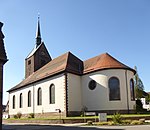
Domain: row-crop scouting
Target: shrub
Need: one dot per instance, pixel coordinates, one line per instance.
(142, 120)
(83, 110)
(31, 115)
(89, 122)
(117, 119)
(105, 123)
(136, 122)
(139, 106)
(19, 114)
(126, 122)
(15, 116)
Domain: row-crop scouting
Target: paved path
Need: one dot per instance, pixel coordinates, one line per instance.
(71, 127)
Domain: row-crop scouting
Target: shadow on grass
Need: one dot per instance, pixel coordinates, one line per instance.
(51, 127)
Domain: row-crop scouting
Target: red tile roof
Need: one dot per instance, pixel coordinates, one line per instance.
(103, 61)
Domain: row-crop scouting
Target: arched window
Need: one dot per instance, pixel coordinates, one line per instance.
(29, 99)
(132, 89)
(13, 102)
(39, 97)
(52, 94)
(114, 89)
(21, 101)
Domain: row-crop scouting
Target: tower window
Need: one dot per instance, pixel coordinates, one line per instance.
(29, 62)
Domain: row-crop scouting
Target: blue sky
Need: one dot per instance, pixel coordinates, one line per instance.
(87, 28)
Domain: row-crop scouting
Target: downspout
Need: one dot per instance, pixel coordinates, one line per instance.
(8, 104)
(66, 93)
(33, 101)
(127, 91)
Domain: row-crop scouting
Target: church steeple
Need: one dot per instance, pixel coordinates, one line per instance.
(38, 33)
(39, 56)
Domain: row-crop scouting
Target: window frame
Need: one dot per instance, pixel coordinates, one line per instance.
(114, 92)
(132, 92)
(52, 94)
(14, 102)
(20, 100)
(39, 96)
(29, 98)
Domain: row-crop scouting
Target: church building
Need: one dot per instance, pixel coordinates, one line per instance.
(68, 84)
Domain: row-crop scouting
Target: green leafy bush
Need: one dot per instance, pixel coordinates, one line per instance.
(142, 120)
(117, 119)
(139, 106)
(126, 122)
(89, 122)
(19, 114)
(15, 116)
(136, 122)
(83, 110)
(31, 115)
(105, 123)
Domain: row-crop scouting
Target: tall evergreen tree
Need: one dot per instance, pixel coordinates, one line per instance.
(139, 87)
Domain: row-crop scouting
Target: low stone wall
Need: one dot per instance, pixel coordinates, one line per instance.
(43, 115)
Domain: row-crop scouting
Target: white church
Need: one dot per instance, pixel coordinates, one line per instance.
(68, 84)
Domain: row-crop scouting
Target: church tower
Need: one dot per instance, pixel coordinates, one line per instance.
(39, 56)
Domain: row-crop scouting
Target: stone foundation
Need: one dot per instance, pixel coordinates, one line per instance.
(109, 112)
(44, 115)
(57, 115)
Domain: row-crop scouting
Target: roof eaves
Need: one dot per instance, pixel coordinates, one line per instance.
(33, 51)
(34, 81)
(100, 69)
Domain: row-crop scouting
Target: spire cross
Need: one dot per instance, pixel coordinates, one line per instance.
(38, 33)
(38, 16)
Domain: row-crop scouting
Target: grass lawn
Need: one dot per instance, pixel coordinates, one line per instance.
(86, 117)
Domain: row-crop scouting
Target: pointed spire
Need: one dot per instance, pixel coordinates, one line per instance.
(38, 33)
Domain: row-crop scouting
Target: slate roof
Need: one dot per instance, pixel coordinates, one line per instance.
(70, 63)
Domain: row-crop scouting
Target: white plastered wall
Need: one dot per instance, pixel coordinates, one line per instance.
(58, 81)
(74, 92)
(98, 99)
